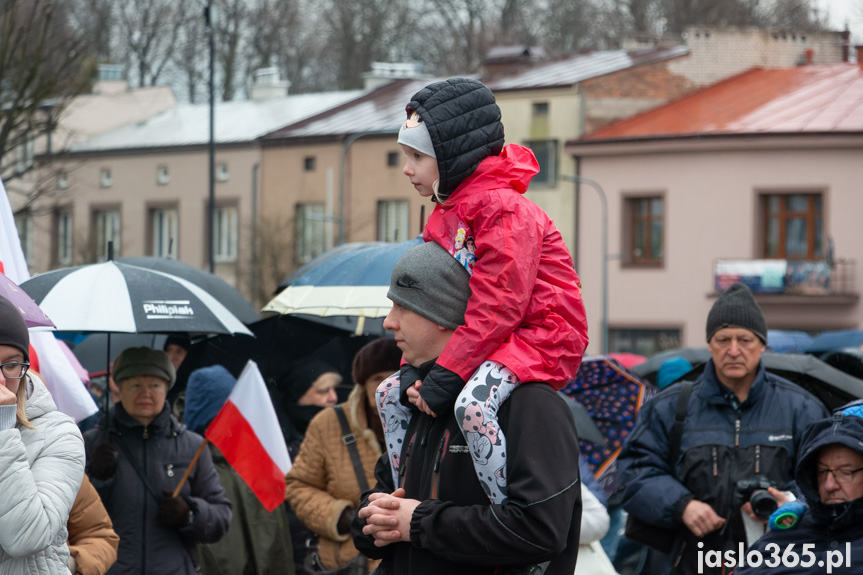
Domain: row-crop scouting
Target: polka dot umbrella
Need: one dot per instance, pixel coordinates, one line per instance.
(612, 396)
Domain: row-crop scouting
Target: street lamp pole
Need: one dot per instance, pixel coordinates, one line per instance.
(211, 205)
(595, 185)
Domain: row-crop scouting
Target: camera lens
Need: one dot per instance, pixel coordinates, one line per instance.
(763, 504)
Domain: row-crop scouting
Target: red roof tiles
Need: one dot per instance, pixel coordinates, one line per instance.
(815, 98)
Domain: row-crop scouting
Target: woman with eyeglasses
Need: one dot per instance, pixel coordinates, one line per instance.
(41, 461)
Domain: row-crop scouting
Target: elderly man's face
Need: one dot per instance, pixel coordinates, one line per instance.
(836, 465)
(736, 352)
(143, 397)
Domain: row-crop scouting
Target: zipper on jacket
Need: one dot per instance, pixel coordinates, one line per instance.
(757, 459)
(146, 435)
(403, 464)
(715, 457)
(736, 433)
(437, 462)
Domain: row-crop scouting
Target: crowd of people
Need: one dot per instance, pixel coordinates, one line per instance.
(453, 451)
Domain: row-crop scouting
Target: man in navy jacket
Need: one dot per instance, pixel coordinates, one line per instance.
(742, 424)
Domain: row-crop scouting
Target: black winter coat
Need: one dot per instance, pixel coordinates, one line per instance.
(162, 452)
(455, 530)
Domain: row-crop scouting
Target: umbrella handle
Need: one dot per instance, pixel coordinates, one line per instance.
(190, 468)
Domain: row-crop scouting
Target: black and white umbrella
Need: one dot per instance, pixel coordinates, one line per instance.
(114, 297)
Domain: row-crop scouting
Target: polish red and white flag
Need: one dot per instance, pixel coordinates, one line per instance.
(246, 430)
(46, 355)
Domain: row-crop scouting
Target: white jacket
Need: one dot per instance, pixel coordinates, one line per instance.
(592, 560)
(40, 472)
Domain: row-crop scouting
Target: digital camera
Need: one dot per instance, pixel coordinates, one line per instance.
(754, 490)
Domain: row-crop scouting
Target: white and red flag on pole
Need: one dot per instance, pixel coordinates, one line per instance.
(246, 430)
(67, 389)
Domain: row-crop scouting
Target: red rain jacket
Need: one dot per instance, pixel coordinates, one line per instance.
(525, 310)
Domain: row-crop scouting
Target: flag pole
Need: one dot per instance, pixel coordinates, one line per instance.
(190, 468)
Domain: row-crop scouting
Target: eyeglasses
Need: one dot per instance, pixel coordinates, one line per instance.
(840, 475)
(14, 370)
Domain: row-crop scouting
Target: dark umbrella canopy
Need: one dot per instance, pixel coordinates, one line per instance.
(113, 297)
(584, 424)
(211, 283)
(848, 360)
(649, 369)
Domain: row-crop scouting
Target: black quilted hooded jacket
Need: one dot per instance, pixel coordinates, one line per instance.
(464, 123)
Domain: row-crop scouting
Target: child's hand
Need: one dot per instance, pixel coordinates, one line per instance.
(414, 397)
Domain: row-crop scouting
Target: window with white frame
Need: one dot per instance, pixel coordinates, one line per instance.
(64, 232)
(107, 230)
(546, 154)
(310, 232)
(393, 220)
(162, 175)
(225, 231)
(24, 224)
(166, 232)
(222, 173)
(105, 178)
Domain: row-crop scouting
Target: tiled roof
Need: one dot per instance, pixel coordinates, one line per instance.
(806, 99)
(235, 122)
(383, 109)
(576, 68)
(380, 110)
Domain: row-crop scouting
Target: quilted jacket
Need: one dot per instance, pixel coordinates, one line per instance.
(40, 472)
(92, 540)
(322, 482)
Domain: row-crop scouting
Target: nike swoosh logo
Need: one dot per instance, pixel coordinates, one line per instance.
(407, 282)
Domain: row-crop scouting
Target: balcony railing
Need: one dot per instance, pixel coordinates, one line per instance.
(813, 280)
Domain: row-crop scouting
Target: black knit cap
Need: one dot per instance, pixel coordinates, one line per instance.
(302, 374)
(13, 329)
(736, 307)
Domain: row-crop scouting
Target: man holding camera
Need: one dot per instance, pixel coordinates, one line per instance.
(741, 430)
(826, 536)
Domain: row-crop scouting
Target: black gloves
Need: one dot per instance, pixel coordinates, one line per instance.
(440, 389)
(174, 511)
(103, 461)
(408, 375)
(344, 524)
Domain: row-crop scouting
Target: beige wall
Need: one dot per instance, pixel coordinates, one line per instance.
(135, 191)
(564, 122)
(711, 212)
(367, 180)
